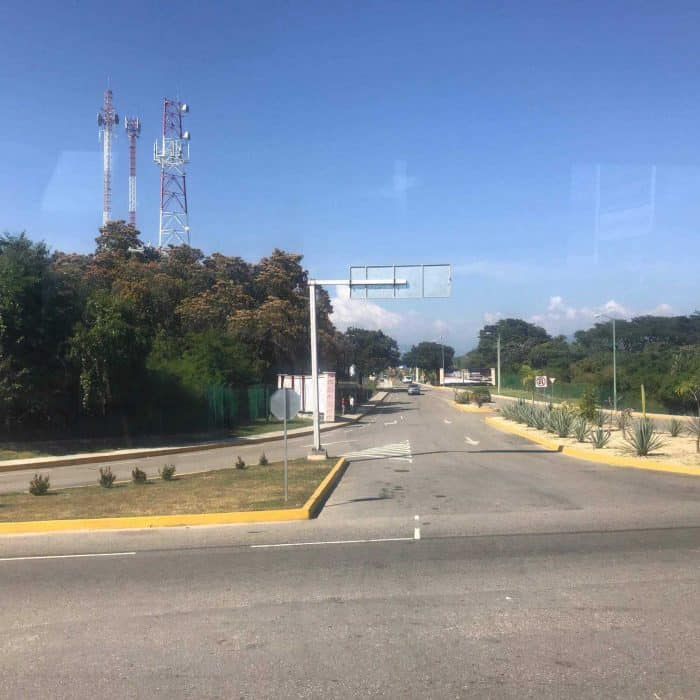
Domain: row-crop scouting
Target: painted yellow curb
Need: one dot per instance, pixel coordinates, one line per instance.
(471, 409)
(610, 460)
(309, 510)
(516, 430)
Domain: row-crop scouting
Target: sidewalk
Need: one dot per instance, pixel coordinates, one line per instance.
(9, 465)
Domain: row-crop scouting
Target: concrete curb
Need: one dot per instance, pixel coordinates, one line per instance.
(16, 465)
(466, 408)
(609, 460)
(309, 510)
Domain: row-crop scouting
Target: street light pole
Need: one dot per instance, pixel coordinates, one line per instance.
(614, 344)
(614, 367)
(314, 370)
(498, 363)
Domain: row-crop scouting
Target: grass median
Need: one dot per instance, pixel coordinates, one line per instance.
(219, 491)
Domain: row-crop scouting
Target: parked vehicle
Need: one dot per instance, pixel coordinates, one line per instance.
(414, 390)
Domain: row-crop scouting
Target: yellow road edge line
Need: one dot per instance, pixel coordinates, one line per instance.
(609, 460)
(309, 510)
(471, 409)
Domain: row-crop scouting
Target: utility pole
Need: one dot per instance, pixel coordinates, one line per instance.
(498, 363)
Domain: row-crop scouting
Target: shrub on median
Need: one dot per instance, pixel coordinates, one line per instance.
(167, 473)
(138, 476)
(263, 461)
(39, 485)
(240, 464)
(107, 477)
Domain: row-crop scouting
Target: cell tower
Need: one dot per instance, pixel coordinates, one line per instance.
(107, 118)
(172, 153)
(133, 129)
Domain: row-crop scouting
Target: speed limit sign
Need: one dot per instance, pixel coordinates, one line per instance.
(541, 382)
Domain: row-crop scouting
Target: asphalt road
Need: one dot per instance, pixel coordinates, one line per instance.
(535, 575)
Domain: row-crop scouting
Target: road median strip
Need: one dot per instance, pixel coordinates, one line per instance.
(609, 460)
(139, 453)
(311, 508)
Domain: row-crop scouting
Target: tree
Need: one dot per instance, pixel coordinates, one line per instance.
(369, 351)
(37, 311)
(428, 355)
(518, 338)
(686, 374)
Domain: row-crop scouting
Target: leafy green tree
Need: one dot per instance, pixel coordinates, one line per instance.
(428, 355)
(110, 349)
(518, 338)
(36, 313)
(370, 351)
(686, 374)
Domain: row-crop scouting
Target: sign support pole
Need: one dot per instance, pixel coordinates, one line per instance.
(286, 492)
(316, 450)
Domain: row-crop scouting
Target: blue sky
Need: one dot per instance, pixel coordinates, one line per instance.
(549, 151)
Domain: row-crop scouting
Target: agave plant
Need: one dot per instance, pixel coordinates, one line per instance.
(540, 418)
(624, 418)
(561, 421)
(643, 438)
(675, 427)
(581, 429)
(693, 428)
(599, 438)
(600, 418)
(509, 411)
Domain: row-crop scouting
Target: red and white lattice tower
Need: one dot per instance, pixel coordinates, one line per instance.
(107, 118)
(133, 129)
(172, 153)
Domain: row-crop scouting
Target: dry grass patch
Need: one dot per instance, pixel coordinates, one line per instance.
(220, 491)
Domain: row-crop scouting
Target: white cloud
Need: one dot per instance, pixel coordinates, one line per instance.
(492, 317)
(361, 313)
(561, 317)
(662, 310)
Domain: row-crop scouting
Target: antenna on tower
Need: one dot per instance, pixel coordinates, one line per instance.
(172, 153)
(107, 118)
(132, 125)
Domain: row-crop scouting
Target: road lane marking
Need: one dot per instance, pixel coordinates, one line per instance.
(398, 450)
(469, 441)
(416, 529)
(314, 544)
(449, 422)
(393, 422)
(335, 442)
(69, 556)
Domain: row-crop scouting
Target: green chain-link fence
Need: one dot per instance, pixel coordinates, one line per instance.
(229, 406)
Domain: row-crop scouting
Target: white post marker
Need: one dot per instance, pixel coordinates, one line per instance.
(416, 529)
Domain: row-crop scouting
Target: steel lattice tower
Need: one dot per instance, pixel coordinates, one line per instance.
(172, 154)
(133, 129)
(107, 118)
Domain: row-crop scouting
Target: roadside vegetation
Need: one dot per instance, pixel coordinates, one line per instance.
(661, 353)
(222, 490)
(676, 440)
(129, 341)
